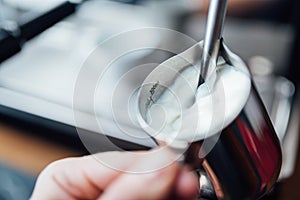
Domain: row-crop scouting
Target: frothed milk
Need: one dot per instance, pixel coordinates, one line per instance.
(187, 113)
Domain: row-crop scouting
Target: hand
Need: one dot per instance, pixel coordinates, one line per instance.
(90, 178)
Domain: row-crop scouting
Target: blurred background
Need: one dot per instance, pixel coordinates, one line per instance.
(44, 43)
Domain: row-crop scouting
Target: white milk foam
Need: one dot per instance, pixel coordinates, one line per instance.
(185, 113)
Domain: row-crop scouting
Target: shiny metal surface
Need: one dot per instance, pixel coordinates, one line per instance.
(213, 34)
(278, 95)
(246, 160)
(276, 92)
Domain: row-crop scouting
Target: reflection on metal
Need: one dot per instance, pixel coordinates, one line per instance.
(246, 160)
(213, 34)
(278, 95)
(247, 157)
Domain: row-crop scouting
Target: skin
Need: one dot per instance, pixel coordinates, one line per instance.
(87, 178)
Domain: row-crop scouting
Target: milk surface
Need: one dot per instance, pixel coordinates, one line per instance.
(187, 113)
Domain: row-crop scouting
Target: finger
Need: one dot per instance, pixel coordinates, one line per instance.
(155, 184)
(77, 178)
(187, 185)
